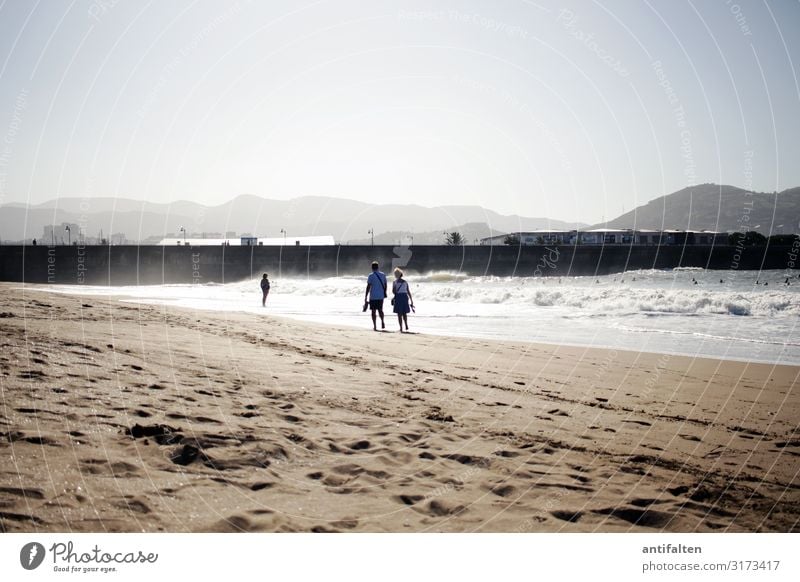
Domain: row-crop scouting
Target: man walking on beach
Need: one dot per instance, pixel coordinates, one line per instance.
(264, 289)
(376, 292)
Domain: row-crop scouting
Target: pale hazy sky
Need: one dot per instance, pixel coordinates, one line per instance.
(571, 110)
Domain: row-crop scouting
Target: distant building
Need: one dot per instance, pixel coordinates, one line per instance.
(648, 237)
(532, 237)
(250, 241)
(57, 234)
(609, 236)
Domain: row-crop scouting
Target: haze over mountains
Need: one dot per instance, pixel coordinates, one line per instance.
(703, 207)
(346, 220)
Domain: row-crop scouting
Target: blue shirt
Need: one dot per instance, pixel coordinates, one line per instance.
(377, 281)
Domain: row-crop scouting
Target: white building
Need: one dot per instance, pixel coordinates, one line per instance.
(300, 241)
(532, 237)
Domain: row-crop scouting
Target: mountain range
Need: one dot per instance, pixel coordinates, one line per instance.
(715, 207)
(702, 207)
(346, 220)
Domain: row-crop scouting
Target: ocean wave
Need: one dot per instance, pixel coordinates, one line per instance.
(442, 277)
(625, 300)
(651, 297)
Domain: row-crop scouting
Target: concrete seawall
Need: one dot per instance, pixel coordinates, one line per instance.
(150, 265)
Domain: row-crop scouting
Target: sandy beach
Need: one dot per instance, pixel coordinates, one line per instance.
(125, 417)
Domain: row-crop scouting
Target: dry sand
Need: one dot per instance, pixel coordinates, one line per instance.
(120, 417)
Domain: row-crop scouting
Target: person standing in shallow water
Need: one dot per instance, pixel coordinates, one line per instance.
(376, 293)
(402, 301)
(264, 289)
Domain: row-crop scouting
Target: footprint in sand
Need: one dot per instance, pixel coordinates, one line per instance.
(336, 480)
(233, 523)
(442, 508)
(26, 492)
(439, 416)
(409, 499)
(33, 439)
(785, 444)
(103, 467)
(468, 459)
(22, 518)
(163, 434)
(558, 412)
(640, 517)
(502, 490)
(571, 516)
(133, 504)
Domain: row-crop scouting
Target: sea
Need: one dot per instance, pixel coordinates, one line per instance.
(740, 315)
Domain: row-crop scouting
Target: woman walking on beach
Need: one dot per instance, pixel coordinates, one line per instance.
(402, 301)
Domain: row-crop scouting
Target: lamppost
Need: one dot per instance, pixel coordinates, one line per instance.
(280, 254)
(69, 235)
(371, 233)
(183, 230)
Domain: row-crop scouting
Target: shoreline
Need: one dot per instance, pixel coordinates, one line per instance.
(141, 417)
(324, 321)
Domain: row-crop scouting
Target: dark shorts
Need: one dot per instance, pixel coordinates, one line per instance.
(376, 304)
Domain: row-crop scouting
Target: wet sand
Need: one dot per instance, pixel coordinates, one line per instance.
(125, 417)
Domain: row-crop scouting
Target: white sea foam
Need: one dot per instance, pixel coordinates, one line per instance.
(627, 300)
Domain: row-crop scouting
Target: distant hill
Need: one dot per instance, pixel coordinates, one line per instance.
(715, 207)
(703, 207)
(346, 220)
